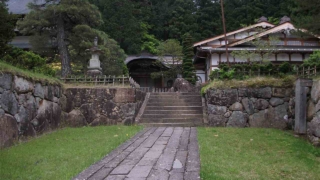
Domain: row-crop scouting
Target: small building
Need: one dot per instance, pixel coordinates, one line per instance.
(20, 8)
(291, 46)
(141, 66)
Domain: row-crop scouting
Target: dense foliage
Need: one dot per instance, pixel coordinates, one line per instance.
(188, 72)
(6, 27)
(55, 24)
(244, 71)
(69, 26)
(125, 20)
(170, 54)
(307, 14)
(27, 60)
(313, 60)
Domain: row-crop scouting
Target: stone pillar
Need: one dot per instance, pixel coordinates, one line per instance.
(300, 126)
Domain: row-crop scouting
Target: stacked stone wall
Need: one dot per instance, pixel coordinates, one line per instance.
(313, 114)
(27, 108)
(265, 107)
(101, 106)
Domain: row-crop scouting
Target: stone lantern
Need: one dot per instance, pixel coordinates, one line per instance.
(94, 68)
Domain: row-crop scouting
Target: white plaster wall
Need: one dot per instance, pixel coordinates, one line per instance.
(217, 42)
(311, 43)
(283, 57)
(296, 57)
(223, 42)
(202, 75)
(207, 67)
(240, 60)
(272, 57)
(252, 33)
(306, 56)
(293, 43)
(214, 59)
(241, 35)
(223, 58)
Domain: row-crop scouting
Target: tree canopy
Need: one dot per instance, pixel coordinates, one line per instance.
(187, 65)
(125, 20)
(307, 15)
(69, 27)
(6, 28)
(55, 24)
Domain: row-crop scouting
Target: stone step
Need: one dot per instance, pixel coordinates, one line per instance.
(198, 111)
(172, 93)
(175, 96)
(175, 100)
(171, 120)
(171, 124)
(172, 116)
(174, 104)
(173, 108)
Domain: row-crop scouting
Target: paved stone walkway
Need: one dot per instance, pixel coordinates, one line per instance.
(163, 153)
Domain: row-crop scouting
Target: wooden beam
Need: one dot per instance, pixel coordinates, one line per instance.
(225, 31)
(289, 57)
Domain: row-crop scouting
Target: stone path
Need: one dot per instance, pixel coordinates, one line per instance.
(163, 153)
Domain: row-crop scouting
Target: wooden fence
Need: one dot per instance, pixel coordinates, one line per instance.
(154, 89)
(240, 73)
(303, 72)
(308, 72)
(102, 80)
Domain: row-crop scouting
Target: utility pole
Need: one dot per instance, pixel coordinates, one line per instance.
(225, 32)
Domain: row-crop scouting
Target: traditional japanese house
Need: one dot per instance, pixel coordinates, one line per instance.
(290, 46)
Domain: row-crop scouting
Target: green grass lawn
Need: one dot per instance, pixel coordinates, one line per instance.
(232, 153)
(62, 154)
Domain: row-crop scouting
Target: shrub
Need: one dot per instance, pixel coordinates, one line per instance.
(313, 60)
(225, 73)
(285, 68)
(27, 60)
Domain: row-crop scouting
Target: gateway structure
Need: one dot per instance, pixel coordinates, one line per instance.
(290, 46)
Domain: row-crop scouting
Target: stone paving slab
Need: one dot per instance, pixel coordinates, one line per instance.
(163, 153)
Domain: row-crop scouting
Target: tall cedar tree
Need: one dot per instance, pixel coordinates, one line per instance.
(6, 28)
(307, 15)
(188, 72)
(170, 19)
(56, 21)
(126, 21)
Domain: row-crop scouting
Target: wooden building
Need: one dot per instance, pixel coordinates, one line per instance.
(141, 66)
(291, 46)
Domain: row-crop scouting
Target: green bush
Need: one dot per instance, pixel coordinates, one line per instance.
(243, 71)
(285, 68)
(27, 60)
(225, 73)
(313, 60)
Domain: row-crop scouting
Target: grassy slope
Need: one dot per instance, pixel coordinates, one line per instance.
(231, 153)
(287, 81)
(4, 67)
(62, 154)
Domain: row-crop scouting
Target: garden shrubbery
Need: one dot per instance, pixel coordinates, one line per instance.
(313, 60)
(244, 71)
(27, 60)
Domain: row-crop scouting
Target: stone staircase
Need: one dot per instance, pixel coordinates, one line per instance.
(173, 109)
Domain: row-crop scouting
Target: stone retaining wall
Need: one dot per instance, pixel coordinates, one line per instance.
(88, 106)
(251, 107)
(313, 114)
(27, 108)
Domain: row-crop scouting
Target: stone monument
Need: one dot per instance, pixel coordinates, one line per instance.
(94, 68)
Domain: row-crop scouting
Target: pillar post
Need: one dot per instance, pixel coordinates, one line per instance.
(300, 126)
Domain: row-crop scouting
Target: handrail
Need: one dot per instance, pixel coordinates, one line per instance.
(102, 80)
